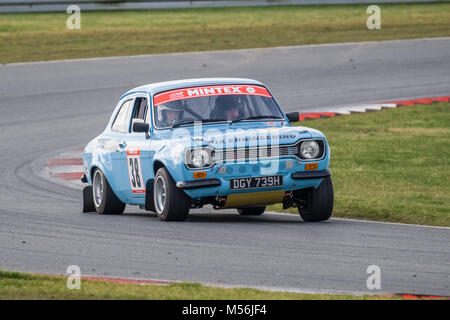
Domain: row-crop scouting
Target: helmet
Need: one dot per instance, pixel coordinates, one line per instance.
(224, 103)
(175, 106)
(172, 106)
(228, 102)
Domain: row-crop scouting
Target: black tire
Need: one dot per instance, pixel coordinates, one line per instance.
(88, 200)
(175, 204)
(319, 203)
(252, 211)
(106, 202)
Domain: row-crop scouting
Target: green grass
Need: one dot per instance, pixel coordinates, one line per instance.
(14, 285)
(391, 165)
(44, 36)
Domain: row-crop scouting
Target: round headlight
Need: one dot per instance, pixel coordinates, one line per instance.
(309, 149)
(200, 158)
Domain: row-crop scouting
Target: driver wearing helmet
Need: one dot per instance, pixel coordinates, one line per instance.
(227, 108)
(170, 112)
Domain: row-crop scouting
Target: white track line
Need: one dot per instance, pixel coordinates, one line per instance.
(369, 221)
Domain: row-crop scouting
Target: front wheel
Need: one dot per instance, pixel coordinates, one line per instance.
(171, 203)
(317, 204)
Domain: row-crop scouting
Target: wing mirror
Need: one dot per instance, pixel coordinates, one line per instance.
(293, 116)
(141, 127)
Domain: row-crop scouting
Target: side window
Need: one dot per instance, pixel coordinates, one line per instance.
(140, 110)
(123, 116)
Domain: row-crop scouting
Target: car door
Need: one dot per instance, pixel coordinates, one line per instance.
(136, 156)
(118, 177)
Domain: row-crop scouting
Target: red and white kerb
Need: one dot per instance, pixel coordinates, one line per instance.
(207, 91)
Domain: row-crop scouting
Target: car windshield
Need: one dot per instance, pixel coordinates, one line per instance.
(231, 103)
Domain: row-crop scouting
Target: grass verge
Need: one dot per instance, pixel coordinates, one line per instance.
(14, 285)
(391, 165)
(44, 36)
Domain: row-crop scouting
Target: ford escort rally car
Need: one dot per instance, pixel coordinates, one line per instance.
(178, 145)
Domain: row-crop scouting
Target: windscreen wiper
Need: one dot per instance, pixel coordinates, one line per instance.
(256, 118)
(174, 125)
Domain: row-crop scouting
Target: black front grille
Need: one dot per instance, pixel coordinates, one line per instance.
(247, 153)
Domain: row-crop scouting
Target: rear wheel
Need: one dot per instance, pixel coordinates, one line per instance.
(105, 201)
(171, 203)
(252, 211)
(317, 204)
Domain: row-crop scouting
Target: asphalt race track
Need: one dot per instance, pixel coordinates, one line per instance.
(50, 107)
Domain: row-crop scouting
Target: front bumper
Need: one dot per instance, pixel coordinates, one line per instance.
(196, 184)
(311, 174)
(217, 183)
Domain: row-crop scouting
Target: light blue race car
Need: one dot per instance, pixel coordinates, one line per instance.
(174, 146)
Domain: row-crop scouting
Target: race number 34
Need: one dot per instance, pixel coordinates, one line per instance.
(135, 171)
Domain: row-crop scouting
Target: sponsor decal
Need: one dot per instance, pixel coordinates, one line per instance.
(250, 90)
(214, 140)
(133, 151)
(207, 91)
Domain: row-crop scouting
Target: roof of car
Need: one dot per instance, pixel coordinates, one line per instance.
(154, 88)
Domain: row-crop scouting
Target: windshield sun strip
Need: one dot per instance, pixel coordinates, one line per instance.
(218, 121)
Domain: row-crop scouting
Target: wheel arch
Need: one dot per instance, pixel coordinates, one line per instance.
(91, 172)
(175, 170)
(157, 164)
